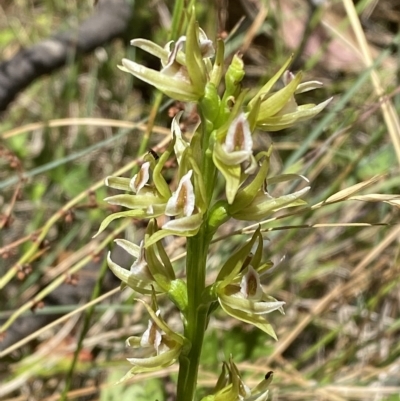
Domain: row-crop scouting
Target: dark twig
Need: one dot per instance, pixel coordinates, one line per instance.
(109, 21)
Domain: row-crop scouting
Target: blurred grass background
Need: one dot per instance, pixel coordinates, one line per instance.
(60, 138)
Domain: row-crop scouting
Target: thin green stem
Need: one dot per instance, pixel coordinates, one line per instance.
(196, 263)
(197, 250)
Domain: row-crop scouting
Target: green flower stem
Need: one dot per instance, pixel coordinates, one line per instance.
(197, 250)
(196, 263)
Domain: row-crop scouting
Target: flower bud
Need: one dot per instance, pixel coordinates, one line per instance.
(233, 77)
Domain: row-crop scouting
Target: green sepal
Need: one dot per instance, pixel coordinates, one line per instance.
(253, 113)
(263, 205)
(172, 87)
(194, 59)
(234, 264)
(151, 48)
(196, 146)
(260, 308)
(158, 179)
(128, 246)
(121, 183)
(182, 227)
(167, 265)
(153, 363)
(263, 267)
(246, 195)
(130, 280)
(218, 67)
(269, 85)
(227, 114)
(264, 384)
(223, 377)
(258, 255)
(162, 273)
(303, 112)
(159, 321)
(251, 318)
(275, 103)
(136, 214)
(176, 344)
(136, 201)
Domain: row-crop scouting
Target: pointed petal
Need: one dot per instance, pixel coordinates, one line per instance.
(304, 112)
(157, 362)
(129, 213)
(162, 325)
(184, 224)
(182, 227)
(249, 306)
(152, 48)
(268, 86)
(308, 86)
(255, 320)
(121, 183)
(264, 205)
(273, 104)
(174, 88)
(136, 201)
(194, 59)
(128, 246)
(138, 285)
(234, 264)
(246, 195)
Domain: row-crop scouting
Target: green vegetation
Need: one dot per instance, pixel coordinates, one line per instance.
(336, 262)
